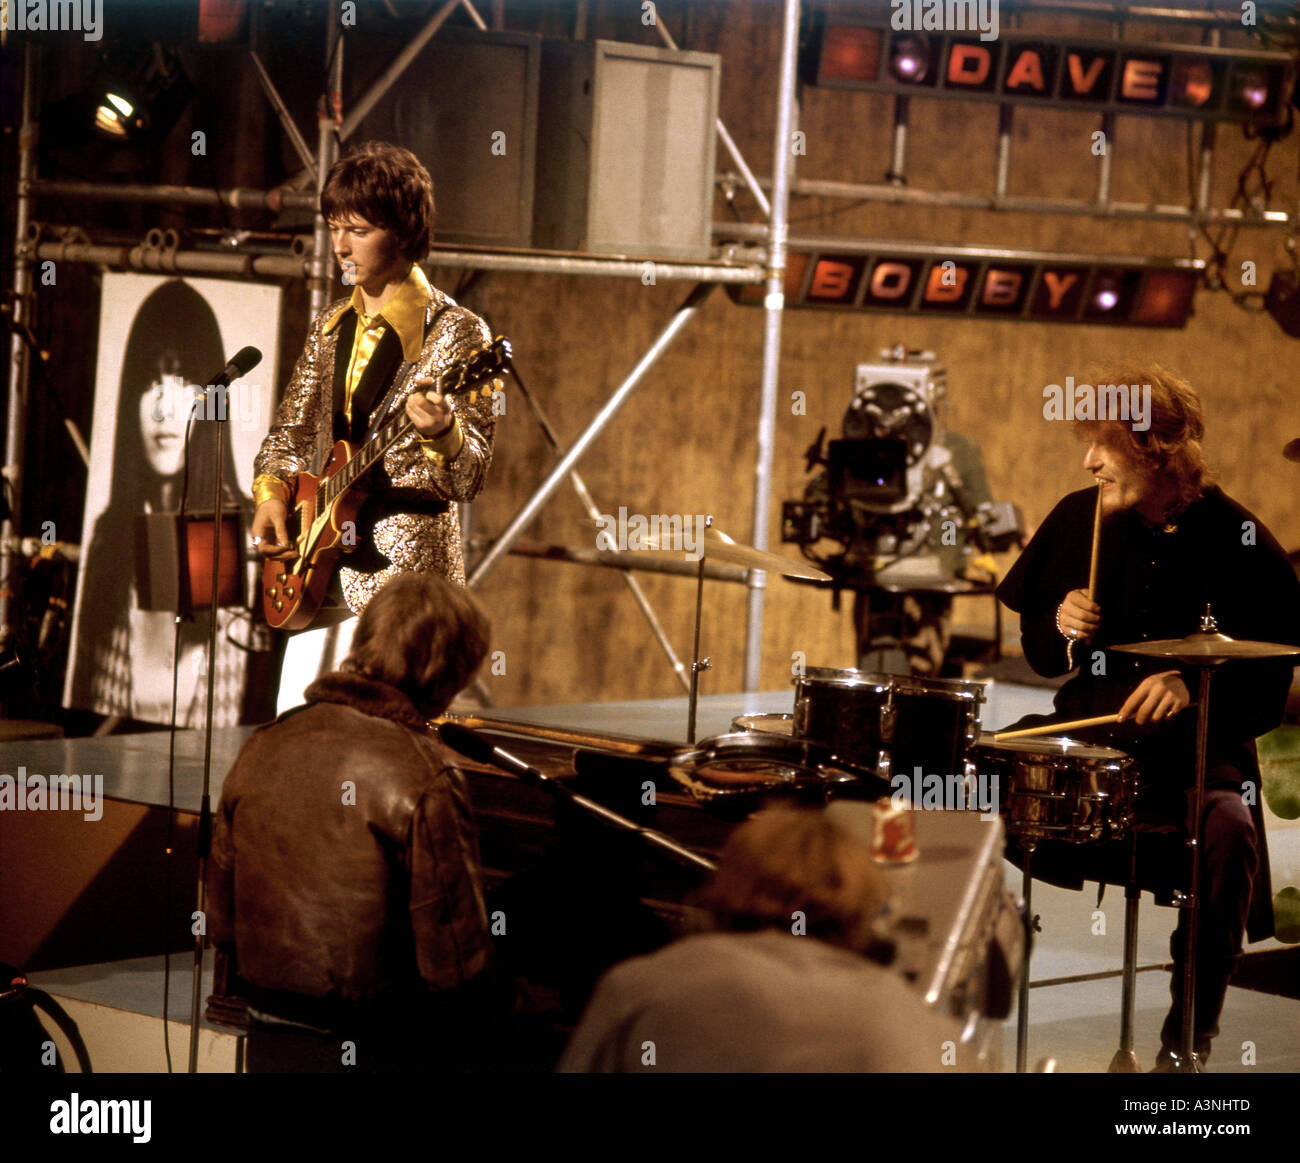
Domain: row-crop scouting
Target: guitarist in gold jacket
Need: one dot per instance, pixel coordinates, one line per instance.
(366, 357)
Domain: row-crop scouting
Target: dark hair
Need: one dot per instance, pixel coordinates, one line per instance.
(787, 860)
(388, 187)
(1172, 444)
(422, 634)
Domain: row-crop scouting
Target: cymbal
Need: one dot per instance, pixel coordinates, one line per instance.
(1205, 648)
(719, 547)
(724, 550)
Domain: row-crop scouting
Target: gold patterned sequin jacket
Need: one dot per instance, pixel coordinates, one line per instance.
(410, 524)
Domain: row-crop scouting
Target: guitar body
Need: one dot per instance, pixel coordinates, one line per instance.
(293, 590)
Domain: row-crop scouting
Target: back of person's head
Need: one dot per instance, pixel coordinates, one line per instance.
(422, 634)
(790, 860)
(388, 187)
(1171, 444)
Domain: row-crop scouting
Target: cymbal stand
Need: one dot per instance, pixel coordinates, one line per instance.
(697, 663)
(1028, 844)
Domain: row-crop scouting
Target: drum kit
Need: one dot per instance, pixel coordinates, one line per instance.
(853, 734)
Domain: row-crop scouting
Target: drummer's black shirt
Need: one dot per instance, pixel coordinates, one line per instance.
(1154, 582)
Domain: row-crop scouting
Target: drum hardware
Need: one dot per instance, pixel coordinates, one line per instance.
(718, 547)
(1056, 788)
(1205, 649)
(737, 770)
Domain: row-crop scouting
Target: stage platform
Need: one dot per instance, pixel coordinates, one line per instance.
(118, 1001)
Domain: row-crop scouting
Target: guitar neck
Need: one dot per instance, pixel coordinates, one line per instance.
(386, 435)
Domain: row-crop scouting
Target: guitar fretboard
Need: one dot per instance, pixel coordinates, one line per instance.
(385, 436)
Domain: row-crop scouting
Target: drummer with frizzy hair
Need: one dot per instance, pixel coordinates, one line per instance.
(1171, 541)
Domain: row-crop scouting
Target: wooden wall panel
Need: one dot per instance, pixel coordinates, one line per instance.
(685, 441)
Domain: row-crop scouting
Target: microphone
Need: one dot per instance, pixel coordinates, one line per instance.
(241, 363)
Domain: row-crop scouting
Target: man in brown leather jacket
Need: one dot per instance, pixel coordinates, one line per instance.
(344, 868)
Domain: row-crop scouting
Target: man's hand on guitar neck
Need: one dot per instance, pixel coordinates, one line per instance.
(271, 530)
(428, 411)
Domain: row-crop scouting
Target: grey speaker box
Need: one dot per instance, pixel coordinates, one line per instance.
(625, 150)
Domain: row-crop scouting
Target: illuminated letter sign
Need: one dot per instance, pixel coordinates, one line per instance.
(1142, 79)
(1086, 82)
(1030, 69)
(947, 287)
(1004, 289)
(891, 282)
(970, 66)
(834, 278)
(1059, 292)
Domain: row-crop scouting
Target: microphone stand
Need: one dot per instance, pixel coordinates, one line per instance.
(205, 806)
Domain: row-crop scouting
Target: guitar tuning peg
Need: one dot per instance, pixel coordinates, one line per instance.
(498, 384)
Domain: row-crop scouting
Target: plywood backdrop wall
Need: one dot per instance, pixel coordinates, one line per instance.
(685, 441)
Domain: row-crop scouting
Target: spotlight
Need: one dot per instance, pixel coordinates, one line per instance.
(134, 99)
(1250, 89)
(1106, 295)
(909, 58)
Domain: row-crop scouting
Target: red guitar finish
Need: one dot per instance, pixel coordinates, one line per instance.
(323, 509)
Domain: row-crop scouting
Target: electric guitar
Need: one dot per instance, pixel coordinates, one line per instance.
(323, 509)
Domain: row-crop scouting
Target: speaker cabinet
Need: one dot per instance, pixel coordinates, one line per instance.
(467, 108)
(626, 141)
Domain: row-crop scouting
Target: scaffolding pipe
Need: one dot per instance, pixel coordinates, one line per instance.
(1106, 162)
(321, 278)
(876, 192)
(287, 122)
(774, 305)
(19, 356)
(1002, 174)
(614, 267)
(897, 175)
(850, 245)
(593, 511)
(158, 259)
(235, 199)
(501, 546)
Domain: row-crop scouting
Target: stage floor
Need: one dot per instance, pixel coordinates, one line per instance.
(1076, 1023)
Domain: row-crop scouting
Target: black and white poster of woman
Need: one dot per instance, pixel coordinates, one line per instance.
(160, 341)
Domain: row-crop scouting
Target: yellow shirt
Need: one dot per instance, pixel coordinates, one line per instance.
(405, 313)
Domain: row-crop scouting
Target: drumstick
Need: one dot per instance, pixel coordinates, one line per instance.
(1096, 548)
(1056, 728)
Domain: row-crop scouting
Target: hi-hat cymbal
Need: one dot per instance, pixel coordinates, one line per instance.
(1202, 648)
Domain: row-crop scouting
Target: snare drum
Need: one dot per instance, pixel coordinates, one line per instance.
(1057, 788)
(891, 723)
(748, 766)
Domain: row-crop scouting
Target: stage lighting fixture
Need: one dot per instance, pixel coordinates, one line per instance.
(1105, 294)
(1248, 91)
(909, 59)
(137, 98)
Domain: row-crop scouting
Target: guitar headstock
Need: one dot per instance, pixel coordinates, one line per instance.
(480, 375)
